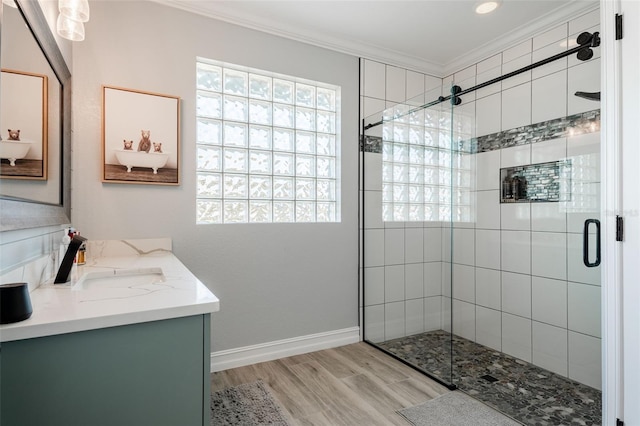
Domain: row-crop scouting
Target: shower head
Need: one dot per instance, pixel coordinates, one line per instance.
(592, 96)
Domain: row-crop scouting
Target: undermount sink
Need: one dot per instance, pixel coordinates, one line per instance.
(120, 278)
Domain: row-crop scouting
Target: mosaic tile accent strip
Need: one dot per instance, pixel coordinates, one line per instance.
(523, 391)
(573, 125)
(536, 182)
(371, 144)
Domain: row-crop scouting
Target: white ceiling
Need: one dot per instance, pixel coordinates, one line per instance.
(433, 36)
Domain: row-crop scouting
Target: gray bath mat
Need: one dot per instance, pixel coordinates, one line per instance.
(455, 409)
(250, 404)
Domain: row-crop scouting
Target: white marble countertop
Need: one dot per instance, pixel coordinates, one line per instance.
(87, 303)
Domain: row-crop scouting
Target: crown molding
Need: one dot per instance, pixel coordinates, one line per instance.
(349, 47)
(383, 55)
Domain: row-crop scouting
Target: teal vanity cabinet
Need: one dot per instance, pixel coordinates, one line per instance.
(151, 373)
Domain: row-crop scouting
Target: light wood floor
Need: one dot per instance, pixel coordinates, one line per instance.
(351, 385)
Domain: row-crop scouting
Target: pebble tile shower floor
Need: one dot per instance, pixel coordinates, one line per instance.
(523, 391)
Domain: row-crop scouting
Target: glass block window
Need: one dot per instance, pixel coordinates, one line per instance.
(268, 147)
(426, 177)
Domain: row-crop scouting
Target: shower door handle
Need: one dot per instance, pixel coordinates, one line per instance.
(585, 243)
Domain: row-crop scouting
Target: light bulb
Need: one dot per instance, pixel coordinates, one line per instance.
(78, 10)
(70, 29)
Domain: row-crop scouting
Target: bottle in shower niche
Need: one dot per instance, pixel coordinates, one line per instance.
(515, 188)
(506, 188)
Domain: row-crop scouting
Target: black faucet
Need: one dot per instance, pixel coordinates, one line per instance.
(67, 260)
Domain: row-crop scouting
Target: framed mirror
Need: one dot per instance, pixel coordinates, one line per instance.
(36, 107)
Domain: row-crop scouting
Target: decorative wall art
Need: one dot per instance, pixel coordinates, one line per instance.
(23, 125)
(140, 137)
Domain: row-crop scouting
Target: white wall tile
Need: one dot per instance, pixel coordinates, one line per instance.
(550, 347)
(547, 52)
(373, 174)
(515, 156)
(488, 114)
(516, 251)
(464, 246)
(488, 288)
(584, 78)
(414, 316)
(374, 286)
(415, 86)
(394, 320)
(516, 106)
(447, 282)
(446, 313)
(489, 328)
(464, 319)
(393, 246)
(516, 294)
(515, 216)
(549, 301)
(374, 79)
(432, 244)
(432, 279)
(584, 153)
(373, 209)
(488, 248)
(577, 272)
(549, 255)
(514, 65)
(488, 209)
(393, 283)
(517, 51)
(447, 241)
(488, 170)
(374, 323)
(516, 336)
(432, 85)
(372, 110)
(374, 247)
(413, 245)
(547, 151)
(549, 97)
(585, 360)
(432, 313)
(396, 80)
(552, 36)
(487, 70)
(584, 303)
(413, 281)
(548, 217)
(583, 206)
(464, 283)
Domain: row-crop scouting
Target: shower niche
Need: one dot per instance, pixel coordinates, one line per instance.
(534, 183)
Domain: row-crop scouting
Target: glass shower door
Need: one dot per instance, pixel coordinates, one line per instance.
(407, 231)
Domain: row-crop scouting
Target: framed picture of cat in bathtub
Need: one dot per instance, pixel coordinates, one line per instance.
(140, 137)
(23, 125)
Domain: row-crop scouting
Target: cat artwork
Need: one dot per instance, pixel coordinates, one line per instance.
(14, 135)
(157, 147)
(128, 145)
(145, 141)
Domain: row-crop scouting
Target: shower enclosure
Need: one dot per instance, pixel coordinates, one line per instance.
(481, 204)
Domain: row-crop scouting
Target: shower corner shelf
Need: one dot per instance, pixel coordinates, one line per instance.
(535, 183)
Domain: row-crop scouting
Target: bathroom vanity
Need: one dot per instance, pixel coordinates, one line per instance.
(126, 342)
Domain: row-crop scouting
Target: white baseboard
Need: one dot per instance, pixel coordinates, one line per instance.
(247, 355)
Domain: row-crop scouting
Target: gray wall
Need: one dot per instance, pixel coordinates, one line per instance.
(275, 281)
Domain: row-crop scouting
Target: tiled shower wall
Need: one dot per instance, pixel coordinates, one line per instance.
(519, 284)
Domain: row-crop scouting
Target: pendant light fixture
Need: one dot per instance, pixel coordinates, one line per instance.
(73, 15)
